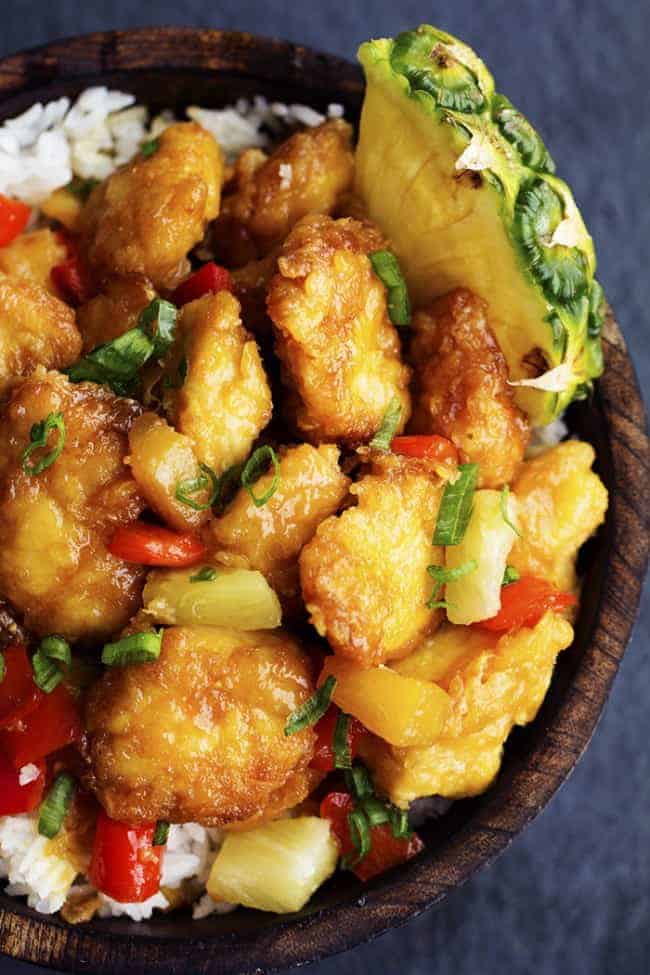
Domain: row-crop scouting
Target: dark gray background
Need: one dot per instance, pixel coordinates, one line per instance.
(572, 895)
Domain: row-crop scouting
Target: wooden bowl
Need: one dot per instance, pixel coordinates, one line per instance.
(175, 67)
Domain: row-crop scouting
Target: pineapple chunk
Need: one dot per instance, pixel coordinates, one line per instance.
(443, 652)
(401, 710)
(488, 540)
(240, 599)
(275, 867)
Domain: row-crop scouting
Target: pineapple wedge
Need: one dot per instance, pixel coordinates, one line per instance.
(463, 186)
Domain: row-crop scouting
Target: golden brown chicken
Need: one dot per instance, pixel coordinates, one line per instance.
(268, 195)
(54, 525)
(224, 400)
(270, 537)
(147, 216)
(198, 736)
(35, 329)
(114, 311)
(461, 386)
(364, 574)
(339, 350)
(33, 255)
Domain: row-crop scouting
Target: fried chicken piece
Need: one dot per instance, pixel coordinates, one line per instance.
(269, 538)
(147, 216)
(114, 311)
(225, 400)
(267, 196)
(35, 329)
(461, 386)
(339, 350)
(561, 503)
(364, 574)
(32, 256)
(55, 525)
(198, 735)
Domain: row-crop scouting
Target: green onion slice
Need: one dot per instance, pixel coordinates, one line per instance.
(503, 501)
(313, 709)
(384, 264)
(456, 507)
(206, 480)
(158, 321)
(55, 806)
(160, 833)
(383, 438)
(139, 648)
(149, 147)
(341, 742)
(442, 575)
(510, 575)
(254, 468)
(360, 836)
(50, 661)
(376, 811)
(115, 364)
(206, 574)
(359, 782)
(38, 437)
(399, 823)
(81, 188)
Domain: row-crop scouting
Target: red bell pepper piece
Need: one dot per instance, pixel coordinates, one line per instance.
(71, 280)
(19, 695)
(153, 545)
(14, 216)
(324, 752)
(386, 850)
(125, 865)
(52, 725)
(207, 280)
(524, 602)
(14, 797)
(432, 447)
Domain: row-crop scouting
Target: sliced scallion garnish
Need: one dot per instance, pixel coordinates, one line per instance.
(55, 805)
(503, 501)
(383, 438)
(399, 822)
(81, 188)
(510, 575)
(456, 507)
(206, 574)
(158, 321)
(206, 480)
(341, 742)
(313, 709)
(387, 269)
(375, 810)
(38, 437)
(138, 648)
(160, 833)
(115, 364)
(359, 782)
(360, 835)
(149, 147)
(50, 662)
(254, 468)
(442, 575)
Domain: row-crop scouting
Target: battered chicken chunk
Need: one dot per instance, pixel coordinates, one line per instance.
(147, 216)
(198, 736)
(32, 256)
(54, 525)
(561, 503)
(267, 196)
(224, 400)
(114, 311)
(35, 329)
(364, 574)
(339, 350)
(461, 386)
(269, 538)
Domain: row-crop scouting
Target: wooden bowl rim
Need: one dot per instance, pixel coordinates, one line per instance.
(412, 889)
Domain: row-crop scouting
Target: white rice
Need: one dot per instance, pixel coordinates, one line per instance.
(31, 866)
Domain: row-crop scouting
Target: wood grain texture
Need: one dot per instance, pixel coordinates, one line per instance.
(173, 68)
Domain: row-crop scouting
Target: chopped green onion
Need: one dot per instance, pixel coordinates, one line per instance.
(341, 743)
(158, 321)
(50, 661)
(81, 188)
(399, 822)
(138, 648)
(253, 470)
(115, 364)
(382, 439)
(3, 667)
(442, 575)
(376, 811)
(169, 383)
(359, 782)
(160, 833)
(313, 709)
(38, 436)
(456, 507)
(206, 574)
(205, 479)
(503, 501)
(510, 575)
(55, 806)
(149, 147)
(360, 836)
(385, 266)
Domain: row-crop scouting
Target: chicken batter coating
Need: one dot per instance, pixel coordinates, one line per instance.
(147, 216)
(35, 329)
(364, 574)
(224, 400)
(114, 311)
(339, 350)
(54, 525)
(267, 196)
(461, 386)
(269, 538)
(33, 255)
(198, 735)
